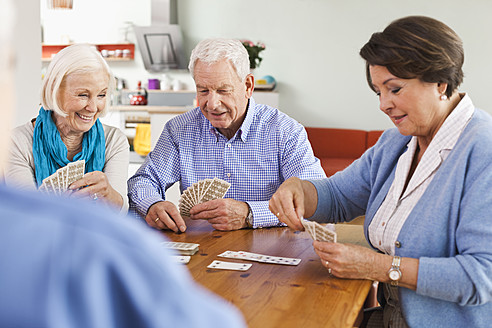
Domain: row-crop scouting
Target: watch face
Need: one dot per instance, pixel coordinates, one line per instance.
(394, 275)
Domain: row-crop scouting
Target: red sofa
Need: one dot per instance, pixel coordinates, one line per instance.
(338, 148)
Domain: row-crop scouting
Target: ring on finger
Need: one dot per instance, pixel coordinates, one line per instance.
(278, 214)
(156, 220)
(94, 196)
(329, 270)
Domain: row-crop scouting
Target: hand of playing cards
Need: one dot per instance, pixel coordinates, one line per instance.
(319, 232)
(200, 192)
(59, 181)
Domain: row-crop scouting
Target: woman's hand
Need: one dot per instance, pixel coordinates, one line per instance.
(292, 200)
(356, 262)
(96, 186)
(350, 261)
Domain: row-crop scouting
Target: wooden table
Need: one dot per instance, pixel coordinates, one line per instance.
(271, 295)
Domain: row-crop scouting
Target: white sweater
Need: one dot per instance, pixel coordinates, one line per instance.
(20, 169)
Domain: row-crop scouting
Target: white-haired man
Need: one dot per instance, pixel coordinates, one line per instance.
(252, 146)
(72, 263)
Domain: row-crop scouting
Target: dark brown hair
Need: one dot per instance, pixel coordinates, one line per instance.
(417, 47)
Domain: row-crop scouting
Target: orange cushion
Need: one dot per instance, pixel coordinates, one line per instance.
(333, 165)
(337, 143)
(372, 137)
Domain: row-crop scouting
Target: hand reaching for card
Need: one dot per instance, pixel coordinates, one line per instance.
(294, 199)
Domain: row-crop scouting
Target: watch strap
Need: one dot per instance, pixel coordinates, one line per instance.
(249, 218)
(395, 266)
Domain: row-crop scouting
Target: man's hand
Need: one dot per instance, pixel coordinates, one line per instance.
(223, 214)
(165, 215)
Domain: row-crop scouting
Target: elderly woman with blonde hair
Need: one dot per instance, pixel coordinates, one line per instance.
(75, 93)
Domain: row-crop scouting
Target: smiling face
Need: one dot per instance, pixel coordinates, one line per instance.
(82, 96)
(222, 96)
(412, 105)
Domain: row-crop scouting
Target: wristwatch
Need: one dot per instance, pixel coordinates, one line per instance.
(249, 218)
(394, 272)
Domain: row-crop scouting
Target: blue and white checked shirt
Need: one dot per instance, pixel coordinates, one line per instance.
(269, 148)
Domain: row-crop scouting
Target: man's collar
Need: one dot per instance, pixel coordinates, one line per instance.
(243, 130)
(248, 119)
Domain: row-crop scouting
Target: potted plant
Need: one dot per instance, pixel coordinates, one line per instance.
(253, 52)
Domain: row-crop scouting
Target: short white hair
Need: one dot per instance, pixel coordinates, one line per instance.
(214, 50)
(77, 58)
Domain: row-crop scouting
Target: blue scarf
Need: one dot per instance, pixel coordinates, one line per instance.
(50, 153)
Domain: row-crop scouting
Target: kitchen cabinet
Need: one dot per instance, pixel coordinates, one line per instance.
(110, 51)
(126, 118)
(269, 98)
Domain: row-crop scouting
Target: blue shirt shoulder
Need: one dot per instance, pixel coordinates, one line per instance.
(71, 263)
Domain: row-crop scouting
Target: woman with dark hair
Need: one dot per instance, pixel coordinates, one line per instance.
(423, 188)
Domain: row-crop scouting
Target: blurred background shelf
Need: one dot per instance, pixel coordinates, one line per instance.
(110, 51)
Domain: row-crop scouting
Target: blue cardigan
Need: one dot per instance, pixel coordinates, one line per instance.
(449, 230)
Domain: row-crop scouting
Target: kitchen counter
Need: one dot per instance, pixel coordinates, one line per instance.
(151, 109)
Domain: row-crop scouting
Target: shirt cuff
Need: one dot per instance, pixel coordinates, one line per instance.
(144, 204)
(262, 217)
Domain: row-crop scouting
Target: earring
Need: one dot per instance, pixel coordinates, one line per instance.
(444, 97)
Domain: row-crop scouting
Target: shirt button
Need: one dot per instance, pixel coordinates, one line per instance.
(229, 145)
(397, 244)
(380, 243)
(228, 175)
(382, 224)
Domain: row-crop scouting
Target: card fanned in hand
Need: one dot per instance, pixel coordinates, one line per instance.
(319, 232)
(200, 192)
(59, 181)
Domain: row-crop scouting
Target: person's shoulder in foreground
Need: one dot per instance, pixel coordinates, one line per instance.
(72, 264)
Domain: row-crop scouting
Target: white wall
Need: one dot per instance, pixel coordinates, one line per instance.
(27, 73)
(312, 45)
(312, 48)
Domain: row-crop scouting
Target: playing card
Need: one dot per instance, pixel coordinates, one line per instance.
(42, 188)
(260, 258)
(47, 185)
(55, 182)
(200, 192)
(319, 232)
(182, 248)
(229, 266)
(59, 181)
(75, 171)
(62, 177)
(217, 189)
(205, 184)
(184, 259)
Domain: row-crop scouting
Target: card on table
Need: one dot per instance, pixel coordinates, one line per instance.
(229, 266)
(183, 259)
(242, 255)
(182, 248)
(319, 232)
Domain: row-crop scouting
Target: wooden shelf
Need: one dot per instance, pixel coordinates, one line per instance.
(49, 50)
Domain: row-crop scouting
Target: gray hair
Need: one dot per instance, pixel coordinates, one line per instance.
(77, 58)
(214, 50)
